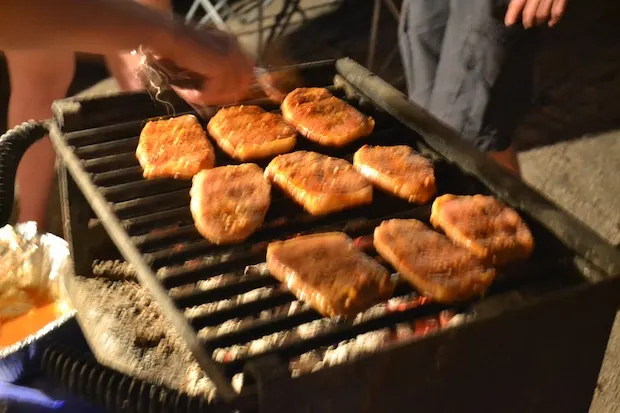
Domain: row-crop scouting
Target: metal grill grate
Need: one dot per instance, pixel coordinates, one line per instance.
(150, 222)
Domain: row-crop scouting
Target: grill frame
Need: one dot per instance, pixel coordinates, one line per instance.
(267, 372)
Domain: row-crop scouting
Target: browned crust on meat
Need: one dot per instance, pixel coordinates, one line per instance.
(319, 183)
(398, 170)
(229, 203)
(174, 148)
(249, 132)
(330, 273)
(436, 267)
(490, 229)
(325, 119)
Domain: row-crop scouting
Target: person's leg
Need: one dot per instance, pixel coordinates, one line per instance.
(512, 94)
(475, 51)
(37, 79)
(123, 66)
(420, 37)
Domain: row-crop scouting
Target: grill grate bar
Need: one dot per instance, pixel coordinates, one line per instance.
(104, 133)
(110, 162)
(118, 176)
(209, 267)
(340, 333)
(182, 252)
(131, 190)
(150, 241)
(248, 283)
(127, 145)
(144, 223)
(272, 299)
(141, 206)
(261, 328)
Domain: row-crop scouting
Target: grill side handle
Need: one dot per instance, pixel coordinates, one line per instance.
(13, 145)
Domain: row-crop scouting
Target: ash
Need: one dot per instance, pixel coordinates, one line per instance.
(114, 270)
(196, 382)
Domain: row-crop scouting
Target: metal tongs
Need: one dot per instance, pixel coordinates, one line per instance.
(159, 74)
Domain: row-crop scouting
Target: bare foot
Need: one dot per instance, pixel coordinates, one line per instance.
(507, 159)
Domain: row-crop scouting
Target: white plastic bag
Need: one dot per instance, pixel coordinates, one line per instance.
(31, 265)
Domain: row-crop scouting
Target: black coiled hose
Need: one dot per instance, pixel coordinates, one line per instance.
(13, 145)
(115, 391)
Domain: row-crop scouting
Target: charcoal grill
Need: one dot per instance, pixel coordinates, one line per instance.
(534, 343)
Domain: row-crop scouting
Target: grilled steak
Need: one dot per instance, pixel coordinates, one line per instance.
(491, 230)
(248, 132)
(329, 272)
(428, 260)
(174, 148)
(323, 118)
(398, 170)
(229, 203)
(321, 184)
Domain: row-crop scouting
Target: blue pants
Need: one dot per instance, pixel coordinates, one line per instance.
(466, 68)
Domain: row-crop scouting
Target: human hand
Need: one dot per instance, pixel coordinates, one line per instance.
(535, 12)
(214, 57)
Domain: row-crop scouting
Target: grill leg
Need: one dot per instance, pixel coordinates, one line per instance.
(374, 27)
(374, 33)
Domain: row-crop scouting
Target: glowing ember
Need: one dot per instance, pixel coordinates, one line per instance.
(316, 359)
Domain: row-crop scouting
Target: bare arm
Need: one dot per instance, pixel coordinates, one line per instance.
(110, 26)
(95, 26)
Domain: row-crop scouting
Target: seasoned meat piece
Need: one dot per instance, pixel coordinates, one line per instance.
(174, 148)
(325, 119)
(321, 184)
(329, 272)
(248, 132)
(229, 203)
(428, 260)
(398, 170)
(491, 230)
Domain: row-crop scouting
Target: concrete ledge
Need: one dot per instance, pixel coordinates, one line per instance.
(581, 175)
